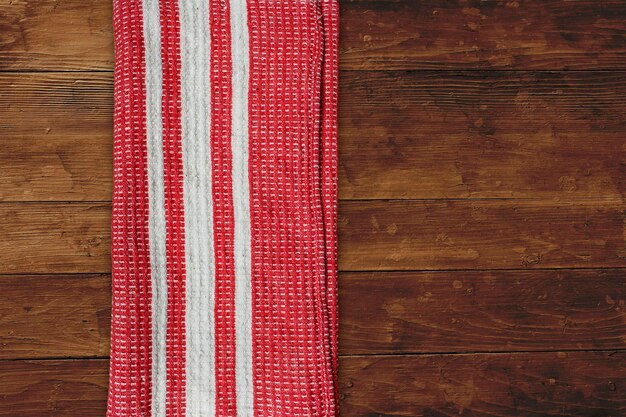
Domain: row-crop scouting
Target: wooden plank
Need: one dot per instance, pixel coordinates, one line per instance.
(530, 385)
(402, 135)
(57, 137)
(374, 235)
(474, 34)
(54, 316)
(55, 238)
(482, 135)
(431, 235)
(525, 384)
(409, 34)
(56, 34)
(468, 311)
(53, 388)
(381, 313)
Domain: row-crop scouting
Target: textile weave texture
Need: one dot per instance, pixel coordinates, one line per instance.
(224, 209)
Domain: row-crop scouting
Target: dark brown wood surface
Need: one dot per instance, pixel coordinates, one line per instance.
(482, 134)
(482, 222)
(376, 34)
(374, 235)
(56, 136)
(55, 316)
(55, 237)
(481, 311)
(404, 135)
(68, 316)
(529, 385)
(522, 384)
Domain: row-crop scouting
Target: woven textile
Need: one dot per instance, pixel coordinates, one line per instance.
(224, 209)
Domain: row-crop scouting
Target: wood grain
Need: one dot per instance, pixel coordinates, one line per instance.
(56, 137)
(530, 385)
(474, 34)
(54, 316)
(469, 311)
(482, 135)
(53, 388)
(373, 235)
(419, 235)
(409, 34)
(402, 135)
(55, 238)
(493, 169)
(381, 313)
(524, 384)
(56, 34)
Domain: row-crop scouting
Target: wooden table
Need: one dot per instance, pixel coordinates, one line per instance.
(482, 207)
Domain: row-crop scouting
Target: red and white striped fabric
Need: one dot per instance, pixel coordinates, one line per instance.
(224, 209)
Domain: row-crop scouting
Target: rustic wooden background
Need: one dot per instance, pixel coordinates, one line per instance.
(482, 207)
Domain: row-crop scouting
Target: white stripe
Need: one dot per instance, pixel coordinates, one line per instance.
(195, 49)
(156, 201)
(241, 203)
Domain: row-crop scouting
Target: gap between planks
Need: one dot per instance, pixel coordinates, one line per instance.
(362, 355)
